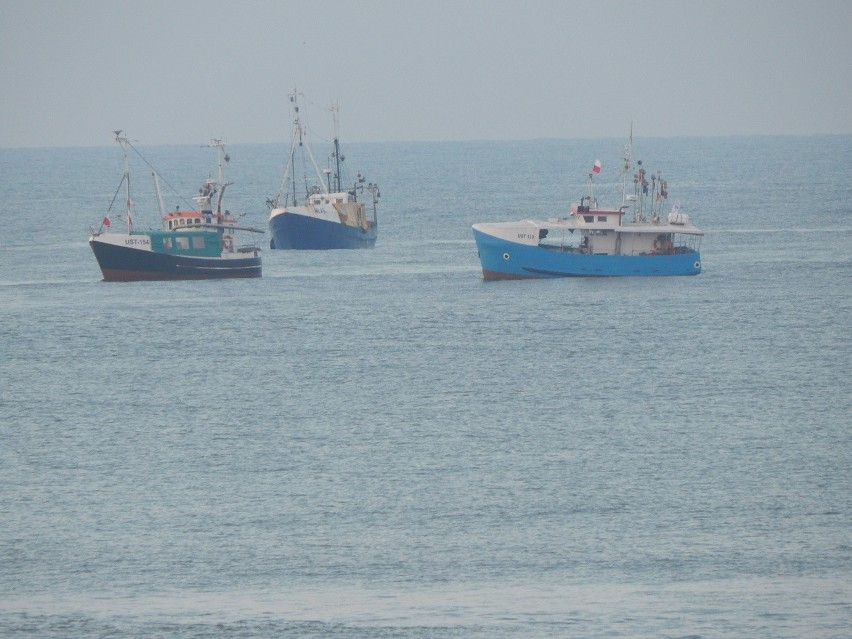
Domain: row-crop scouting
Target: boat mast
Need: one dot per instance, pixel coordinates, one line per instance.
(625, 169)
(297, 136)
(124, 142)
(159, 194)
(640, 184)
(306, 147)
(221, 159)
(290, 169)
(337, 179)
(298, 139)
(374, 191)
(592, 205)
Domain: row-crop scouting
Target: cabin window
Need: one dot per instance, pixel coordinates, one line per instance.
(182, 243)
(198, 220)
(339, 200)
(589, 218)
(167, 242)
(198, 242)
(601, 218)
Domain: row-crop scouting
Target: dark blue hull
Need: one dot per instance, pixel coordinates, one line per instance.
(123, 264)
(301, 232)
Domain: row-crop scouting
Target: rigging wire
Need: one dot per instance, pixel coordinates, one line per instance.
(123, 177)
(168, 184)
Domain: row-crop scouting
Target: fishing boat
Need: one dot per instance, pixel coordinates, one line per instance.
(200, 243)
(596, 242)
(325, 214)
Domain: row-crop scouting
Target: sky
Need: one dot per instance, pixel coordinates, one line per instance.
(183, 71)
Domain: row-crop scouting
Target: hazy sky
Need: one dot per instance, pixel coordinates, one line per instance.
(183, 71)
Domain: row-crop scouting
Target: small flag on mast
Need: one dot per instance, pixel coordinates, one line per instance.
(105, 221)
(597, 167)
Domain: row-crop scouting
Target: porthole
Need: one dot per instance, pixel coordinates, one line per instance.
(505, 256)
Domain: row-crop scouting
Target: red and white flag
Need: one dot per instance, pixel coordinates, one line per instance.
(597, 167)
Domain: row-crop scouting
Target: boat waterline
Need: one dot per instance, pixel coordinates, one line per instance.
(502, 259)
(121, 264)
(290, 230)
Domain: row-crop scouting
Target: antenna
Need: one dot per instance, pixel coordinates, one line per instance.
(625, 169)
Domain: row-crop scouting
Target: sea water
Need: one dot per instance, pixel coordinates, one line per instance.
(378, 443)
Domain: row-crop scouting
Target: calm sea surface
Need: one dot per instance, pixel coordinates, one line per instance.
(379, 444)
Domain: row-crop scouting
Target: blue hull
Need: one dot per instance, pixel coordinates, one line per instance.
(121, 264)
(300, 232)
(502, 259)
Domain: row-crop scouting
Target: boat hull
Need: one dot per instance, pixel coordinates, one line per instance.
(302, 232)
(502, 259)
(127, 264)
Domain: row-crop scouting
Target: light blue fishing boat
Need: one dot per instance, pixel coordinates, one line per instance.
(596, 242)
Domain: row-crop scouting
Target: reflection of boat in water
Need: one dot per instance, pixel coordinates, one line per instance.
(329, 215)
(594, 242)
(193, 244)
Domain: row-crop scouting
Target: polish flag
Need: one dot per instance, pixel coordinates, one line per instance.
(597, 167)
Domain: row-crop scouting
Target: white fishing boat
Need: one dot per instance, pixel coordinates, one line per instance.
(318, 211)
